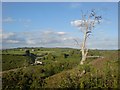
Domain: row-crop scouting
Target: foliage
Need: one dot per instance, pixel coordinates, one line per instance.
(13, 61)
(59, 71)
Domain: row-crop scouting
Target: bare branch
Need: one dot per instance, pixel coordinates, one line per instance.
(76, 41)
(88, 32)
(88, 35)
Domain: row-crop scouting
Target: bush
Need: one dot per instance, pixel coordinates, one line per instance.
(86, 68)
(27, 52)
(11, 62)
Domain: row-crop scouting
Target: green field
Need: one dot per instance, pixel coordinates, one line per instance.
(60, 69)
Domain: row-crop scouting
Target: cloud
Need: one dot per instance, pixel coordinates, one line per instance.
(11, 19)
(68, 38)
(51, 38)
(103, 43)
(42, 37)
(61, 33)
(76, 23)
(25, 22)
(12, 41)
(0, 36)
(8, 20)
(7, 35)
(50, 32)
(30, 42)
(1, 33)
(81, 23)
(9, 38)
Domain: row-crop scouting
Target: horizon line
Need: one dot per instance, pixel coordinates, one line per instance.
(59, 47)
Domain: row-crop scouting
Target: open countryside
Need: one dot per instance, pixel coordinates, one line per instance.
(49, 45)
(59, 68)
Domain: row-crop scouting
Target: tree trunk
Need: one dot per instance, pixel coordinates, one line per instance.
(84, 51)
(83, 59)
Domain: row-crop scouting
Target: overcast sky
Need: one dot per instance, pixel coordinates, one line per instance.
(49, 25)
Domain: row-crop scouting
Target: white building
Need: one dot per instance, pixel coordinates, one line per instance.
(33, 50)
(38, 62)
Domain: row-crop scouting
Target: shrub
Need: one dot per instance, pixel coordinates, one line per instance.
(27, 52)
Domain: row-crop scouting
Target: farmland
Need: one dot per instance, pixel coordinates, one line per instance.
(60, 68)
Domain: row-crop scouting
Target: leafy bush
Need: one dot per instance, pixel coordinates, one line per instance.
(13, 61)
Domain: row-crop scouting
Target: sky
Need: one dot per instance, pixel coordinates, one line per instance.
(48, 24)
(59, 0)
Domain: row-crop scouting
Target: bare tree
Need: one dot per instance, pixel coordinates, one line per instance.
(86, 25)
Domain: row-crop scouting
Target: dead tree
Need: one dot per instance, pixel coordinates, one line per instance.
(86, 25)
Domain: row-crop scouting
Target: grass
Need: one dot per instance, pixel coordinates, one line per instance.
(61, 71)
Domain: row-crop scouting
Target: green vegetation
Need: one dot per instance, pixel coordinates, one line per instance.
(60, 69)
(13, 61)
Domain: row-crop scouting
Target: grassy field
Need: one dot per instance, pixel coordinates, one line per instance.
(60, 69)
